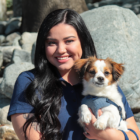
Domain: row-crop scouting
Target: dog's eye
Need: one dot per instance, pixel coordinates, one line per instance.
(106, 73)
(92, 72)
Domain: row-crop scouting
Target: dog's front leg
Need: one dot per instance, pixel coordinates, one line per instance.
(84, 114)
(101, 122)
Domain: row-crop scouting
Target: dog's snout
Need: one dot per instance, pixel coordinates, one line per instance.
(100, 79)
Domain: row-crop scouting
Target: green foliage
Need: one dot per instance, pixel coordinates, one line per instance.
(9, 4)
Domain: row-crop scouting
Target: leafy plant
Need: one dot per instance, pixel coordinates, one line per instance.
(9, 4)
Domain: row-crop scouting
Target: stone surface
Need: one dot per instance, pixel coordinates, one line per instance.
(8, 52)
(116, 33)
(3, 115)
(7, 133)
(3, 10)
(2, 38)
(2, 27)
(27, 40)
(1, 59)
(13, 25)
(138, 16)
(10, 75)
(21, 56)
(11, 37)
(16, 41)
(17, 8)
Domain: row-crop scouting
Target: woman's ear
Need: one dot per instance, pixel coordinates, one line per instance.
(80, 66)
(117, 69)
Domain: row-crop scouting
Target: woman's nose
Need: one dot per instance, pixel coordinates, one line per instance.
(61, 48)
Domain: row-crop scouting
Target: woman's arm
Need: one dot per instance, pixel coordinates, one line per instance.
(111, 134)
(32, 132)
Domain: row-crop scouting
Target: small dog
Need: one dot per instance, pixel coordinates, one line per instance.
(100, 80)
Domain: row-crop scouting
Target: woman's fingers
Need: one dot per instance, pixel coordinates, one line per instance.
(100, 112)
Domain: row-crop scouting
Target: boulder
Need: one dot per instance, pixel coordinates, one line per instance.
(138, 16)
(27, 40)
(11, 37)
(7, 133)
(3, 10)
(8, 52)
(13, 25)
(21, 56)
(116, 33)
(2, 27)
(2, 38)
(16, 41)
(3, 116)
(10, 75)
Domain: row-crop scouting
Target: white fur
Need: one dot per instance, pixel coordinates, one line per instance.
(110, 115)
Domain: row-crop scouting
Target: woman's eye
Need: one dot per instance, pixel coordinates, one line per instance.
(92, 72)
(69, 41)
(51, 43)
(106, 73)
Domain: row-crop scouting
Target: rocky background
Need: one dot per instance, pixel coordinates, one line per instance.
(115, 29)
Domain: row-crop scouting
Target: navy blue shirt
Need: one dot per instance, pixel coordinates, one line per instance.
(70, 102)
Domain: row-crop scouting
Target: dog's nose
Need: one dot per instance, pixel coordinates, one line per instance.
(100, 79)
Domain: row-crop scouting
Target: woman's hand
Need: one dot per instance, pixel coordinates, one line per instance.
(91, 131)
(109, 133)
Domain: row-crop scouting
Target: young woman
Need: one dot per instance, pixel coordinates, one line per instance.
(46, 99)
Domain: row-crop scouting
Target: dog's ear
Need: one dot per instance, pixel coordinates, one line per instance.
(117, 69)
(80, 66)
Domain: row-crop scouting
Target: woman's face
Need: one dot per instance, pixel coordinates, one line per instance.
(63, 47)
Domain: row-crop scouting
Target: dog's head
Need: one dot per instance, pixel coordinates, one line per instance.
(98, 71)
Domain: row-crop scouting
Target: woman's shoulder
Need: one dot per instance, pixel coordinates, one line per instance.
(28, 74)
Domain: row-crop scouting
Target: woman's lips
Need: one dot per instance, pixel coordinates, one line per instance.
(63, 59)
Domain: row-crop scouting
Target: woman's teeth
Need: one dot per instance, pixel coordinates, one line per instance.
(61, 58)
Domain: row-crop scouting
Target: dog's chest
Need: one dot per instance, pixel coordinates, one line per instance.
(95, 103)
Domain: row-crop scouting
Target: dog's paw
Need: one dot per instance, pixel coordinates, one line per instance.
(100, 124)
(84, 114)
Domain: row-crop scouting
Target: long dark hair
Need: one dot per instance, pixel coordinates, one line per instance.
(44, 93)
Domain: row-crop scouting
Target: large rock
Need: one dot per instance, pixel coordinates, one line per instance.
(7, 133)
(3, 10)
(27, 41)
(21, 56)
(8, 52)
(10, 75)
(11, 37)
(2, 38)
(3, 115)
(13, 25)
(116, 34)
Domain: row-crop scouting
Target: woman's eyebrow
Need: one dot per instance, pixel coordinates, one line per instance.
(69, 37)
(63, 39)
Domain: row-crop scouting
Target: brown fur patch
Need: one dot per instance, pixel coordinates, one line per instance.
(117, 69)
